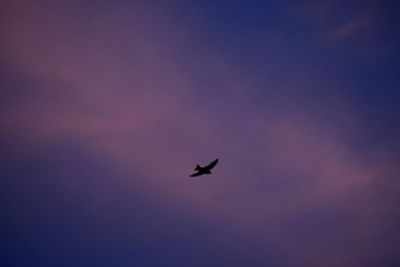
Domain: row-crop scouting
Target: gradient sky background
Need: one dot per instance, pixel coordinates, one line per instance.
(106, 107)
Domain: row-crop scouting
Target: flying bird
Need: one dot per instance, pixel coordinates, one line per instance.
(204, 170)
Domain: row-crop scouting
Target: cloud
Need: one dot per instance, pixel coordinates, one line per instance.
(351, 28)
(348, 26)
(124, 92)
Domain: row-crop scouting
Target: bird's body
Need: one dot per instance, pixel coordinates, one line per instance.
(204, 170)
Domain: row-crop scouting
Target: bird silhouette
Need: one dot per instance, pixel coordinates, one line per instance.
(204, 170)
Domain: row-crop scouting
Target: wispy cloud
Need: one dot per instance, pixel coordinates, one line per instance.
(355, 27)
(351, 28)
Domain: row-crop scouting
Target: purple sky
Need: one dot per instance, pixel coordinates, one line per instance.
(106, 107)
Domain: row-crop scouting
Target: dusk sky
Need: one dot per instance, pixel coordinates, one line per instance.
(107, 107)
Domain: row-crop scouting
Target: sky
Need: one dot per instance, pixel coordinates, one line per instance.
(107, 106)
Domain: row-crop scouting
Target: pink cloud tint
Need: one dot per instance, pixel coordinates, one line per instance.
(127, 98)
(355, 27)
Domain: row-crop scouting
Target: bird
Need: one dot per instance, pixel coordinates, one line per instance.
(204, 170)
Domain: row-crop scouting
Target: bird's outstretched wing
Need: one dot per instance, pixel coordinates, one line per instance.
(196, 174)
(211, 165)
